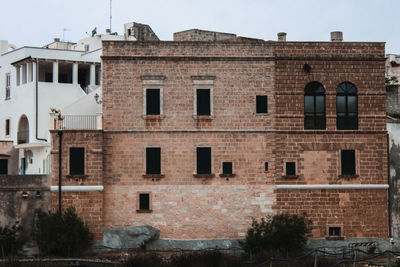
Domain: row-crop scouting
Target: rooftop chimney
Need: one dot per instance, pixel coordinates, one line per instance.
(336, 36)
(281, 36)
(108, 31)
(56, 39)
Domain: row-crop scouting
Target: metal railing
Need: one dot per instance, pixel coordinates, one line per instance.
(76, 122)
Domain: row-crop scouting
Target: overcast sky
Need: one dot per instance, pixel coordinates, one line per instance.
(36, 23)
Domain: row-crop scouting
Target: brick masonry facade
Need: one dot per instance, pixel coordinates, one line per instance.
(186, 206)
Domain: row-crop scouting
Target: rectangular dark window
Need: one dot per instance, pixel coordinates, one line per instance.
(8, 127)
(153, 160)
(290, 168)
(262, 104)
(77, 161)
(8, 86)
(152, 101)
(266, 166)
(204, 160)
(48, 77)
(3, 166)
(144, 201)
(227, 167)
(203, 102)
(348, 160)
(334, 231)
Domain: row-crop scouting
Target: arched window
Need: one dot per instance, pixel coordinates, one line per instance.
(346, 107)
(314, 106)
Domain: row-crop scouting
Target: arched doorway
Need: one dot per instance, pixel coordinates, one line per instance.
(23, 130)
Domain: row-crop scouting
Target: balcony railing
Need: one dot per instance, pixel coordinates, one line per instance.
(78, 122)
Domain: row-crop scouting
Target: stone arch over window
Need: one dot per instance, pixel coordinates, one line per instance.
(23, 130)
(346, 107)
(314, 106)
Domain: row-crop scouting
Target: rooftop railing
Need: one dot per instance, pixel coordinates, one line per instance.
(75, 122)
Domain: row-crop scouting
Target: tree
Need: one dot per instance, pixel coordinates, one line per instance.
(61, 234)
(10, 242)
(282, 234)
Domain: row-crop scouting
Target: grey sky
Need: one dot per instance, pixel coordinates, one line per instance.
(36, 23)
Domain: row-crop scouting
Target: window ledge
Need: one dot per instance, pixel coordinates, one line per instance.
(348, 176)
(153, 176)
(334, 238)
(203, 117)
(144, 211)
(153, 117)
(290, 176)
(204, 175)
(76, 176)
(227, 175)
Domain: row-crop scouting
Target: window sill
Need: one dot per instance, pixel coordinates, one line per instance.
(348, 176)
(227, 175)
(144, 211)
(333, 238)
(204, 175)
(290, 177)
(203, 117)
(153, 117)
(153, 176)
(77, 176)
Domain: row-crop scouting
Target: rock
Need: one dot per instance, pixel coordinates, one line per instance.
(130, 237)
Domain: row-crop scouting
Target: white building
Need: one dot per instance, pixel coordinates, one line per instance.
(32, 81)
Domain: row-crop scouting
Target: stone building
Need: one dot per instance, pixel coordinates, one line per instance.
(205, 132)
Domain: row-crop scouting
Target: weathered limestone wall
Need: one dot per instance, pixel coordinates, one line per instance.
(20, 196)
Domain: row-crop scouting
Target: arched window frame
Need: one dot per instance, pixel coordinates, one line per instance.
(314, 107)
(346, 107)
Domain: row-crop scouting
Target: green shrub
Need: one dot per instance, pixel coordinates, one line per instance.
(9, 241)
(61, 234)
(279, 235)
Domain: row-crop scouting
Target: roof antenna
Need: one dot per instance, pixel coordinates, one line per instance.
(110, 14)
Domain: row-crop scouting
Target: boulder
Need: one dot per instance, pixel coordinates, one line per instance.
(130, 237)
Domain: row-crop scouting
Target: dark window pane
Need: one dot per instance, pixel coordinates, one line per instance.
(290, 168)
(203, 102)
(153, 160)
(320, 104)
(203, 160)
(309, 122)
(153, 101)
(352, 103)
(320, 122)
(48, 77)
(77, 160)
(334, 231)
(3, 166)
(144, 201)
(227, 167)
(7, 127)
(341, 104)
(266, 166)
(309, 103)
(348, 162)
(262, 104)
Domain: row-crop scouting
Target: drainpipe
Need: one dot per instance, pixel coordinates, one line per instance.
(60, 133)
(37, 102)
(389, 193)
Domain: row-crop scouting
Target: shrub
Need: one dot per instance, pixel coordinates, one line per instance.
(9, 241)
(61, 234)
(282, 235)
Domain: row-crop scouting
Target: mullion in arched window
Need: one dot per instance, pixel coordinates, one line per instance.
(346, 107)
(314, 106)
